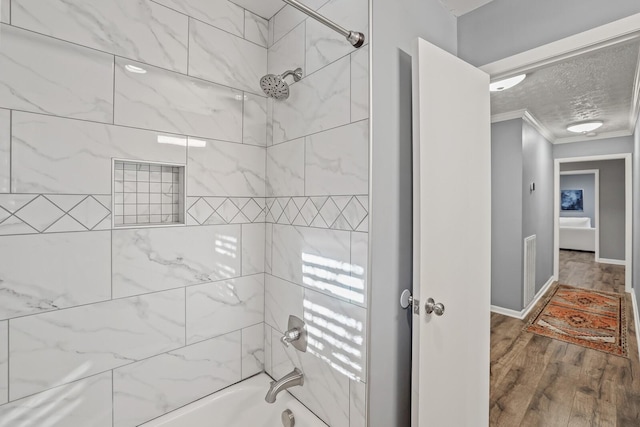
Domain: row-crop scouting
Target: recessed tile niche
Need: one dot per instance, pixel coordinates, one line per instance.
(147, 194)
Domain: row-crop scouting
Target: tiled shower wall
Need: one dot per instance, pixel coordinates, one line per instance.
(101, 326)
(317, 209)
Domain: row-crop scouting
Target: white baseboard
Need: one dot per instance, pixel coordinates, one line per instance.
(506, 312)
(611, 261)
(524, 312)
(636, 317)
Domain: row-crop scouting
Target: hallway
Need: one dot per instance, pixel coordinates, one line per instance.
(538, 381)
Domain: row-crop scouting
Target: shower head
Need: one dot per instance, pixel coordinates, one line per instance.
(276, 87)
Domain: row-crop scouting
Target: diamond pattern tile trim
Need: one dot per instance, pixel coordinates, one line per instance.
(224, 210)
(39, 213)
(336, 212)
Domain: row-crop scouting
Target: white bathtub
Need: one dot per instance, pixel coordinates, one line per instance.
(241, 405)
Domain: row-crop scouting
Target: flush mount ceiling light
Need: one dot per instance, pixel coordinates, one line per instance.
(584, 127)
(134, 69)
(505, 84)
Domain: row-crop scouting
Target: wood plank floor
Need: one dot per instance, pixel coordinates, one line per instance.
(539, 381)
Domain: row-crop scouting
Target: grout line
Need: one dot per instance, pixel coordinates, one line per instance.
(10, 150)
(113, 88)
(63, 309)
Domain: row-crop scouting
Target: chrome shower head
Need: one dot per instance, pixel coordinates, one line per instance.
(276, 87)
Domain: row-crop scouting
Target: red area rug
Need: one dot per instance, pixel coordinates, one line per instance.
(585, 317)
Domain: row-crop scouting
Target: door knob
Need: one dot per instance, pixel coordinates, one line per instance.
(432, 307)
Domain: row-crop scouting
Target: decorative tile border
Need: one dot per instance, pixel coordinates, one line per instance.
(334, 212)
(225, 210)
(53, 213)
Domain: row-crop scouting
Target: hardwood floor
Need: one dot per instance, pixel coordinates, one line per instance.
(538, 381)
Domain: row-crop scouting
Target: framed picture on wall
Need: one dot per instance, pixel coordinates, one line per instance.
(571, 200)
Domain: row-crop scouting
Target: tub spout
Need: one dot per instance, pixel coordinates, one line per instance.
(292, 379)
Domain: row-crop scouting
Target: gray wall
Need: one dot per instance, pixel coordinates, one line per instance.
(598, 147)
(636, 211)
(506, 214)
(395, 26)
(612, 204)
(519, 156)
(537, 206)
(503, 28)
(587, 183)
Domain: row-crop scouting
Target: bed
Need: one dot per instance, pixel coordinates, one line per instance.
(577, 234)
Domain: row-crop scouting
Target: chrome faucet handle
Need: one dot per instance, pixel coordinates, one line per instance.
(290, 336)
(296, 334)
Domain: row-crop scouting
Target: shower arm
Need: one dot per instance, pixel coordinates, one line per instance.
(355, 38)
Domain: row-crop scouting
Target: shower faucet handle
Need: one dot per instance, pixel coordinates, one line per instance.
(290, 336)
(296, 335)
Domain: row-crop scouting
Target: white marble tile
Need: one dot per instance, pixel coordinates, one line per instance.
(50, 153)
(256, 29)
(219, 13)
(268, 245)
(282, 299)
(358, 404)
(360, 84)
(154, 259)
(55, 348)
(285, 169)
(252, 350)
(219, 168)
(359, 268)
(220, 57)
(337, 161)
(71, 269)
(85, 403)
(155, 386)
(172, 102)
(325, 390)
(288, 18)
(337, 333)
(5, 11)
(140, 30)
(253, 240)
(50, 76)
(267, 350)
(4, 362)
(5, 150)
(255, 120)
(315, 258)
(318, 102)
(323, 45)
(218, 308)
(288, 53)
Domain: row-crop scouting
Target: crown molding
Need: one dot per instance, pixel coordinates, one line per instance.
(635, 100)
(583, 138)
(527, 117)
(535, 123)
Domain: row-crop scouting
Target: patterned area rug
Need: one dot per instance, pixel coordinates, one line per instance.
(585, 317)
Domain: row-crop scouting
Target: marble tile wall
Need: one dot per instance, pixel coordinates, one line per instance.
(101, 326)
(317, 209)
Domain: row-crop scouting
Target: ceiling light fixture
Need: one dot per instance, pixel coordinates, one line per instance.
(505, 84)
(585, 127)
(134, 69)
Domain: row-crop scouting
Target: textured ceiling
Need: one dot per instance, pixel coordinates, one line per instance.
(264, 8)
(460, 7)
(595, 85)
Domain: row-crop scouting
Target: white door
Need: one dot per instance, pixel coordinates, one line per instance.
(452, 240)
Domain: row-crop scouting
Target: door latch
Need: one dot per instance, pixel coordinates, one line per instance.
(406, 300)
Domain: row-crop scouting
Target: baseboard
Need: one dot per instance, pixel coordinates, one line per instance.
(524, 312)
(636, 317)
(611, 261)
(506, 311)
